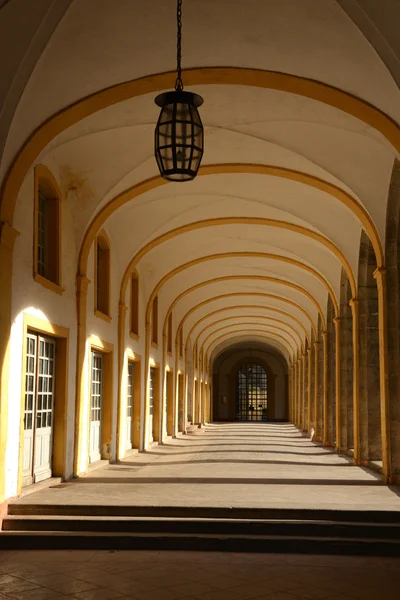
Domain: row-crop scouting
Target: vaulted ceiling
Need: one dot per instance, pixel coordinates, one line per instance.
(301, 105)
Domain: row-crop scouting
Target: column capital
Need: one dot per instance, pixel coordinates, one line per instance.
(336, 319)
(82, 283)
(316, 342)
(8, 235)
(379, 275)
(148, 326)
(324, 335)
(122, 307)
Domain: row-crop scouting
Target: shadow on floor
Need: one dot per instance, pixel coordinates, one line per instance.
(233, 461)
(225, 480)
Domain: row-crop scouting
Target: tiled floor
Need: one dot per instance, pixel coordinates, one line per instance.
(232, 464)
(137, 575)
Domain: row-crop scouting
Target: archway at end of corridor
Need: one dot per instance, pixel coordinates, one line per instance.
(250, 383)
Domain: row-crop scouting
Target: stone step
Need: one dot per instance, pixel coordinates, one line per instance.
(25, 507)
(29, 540)
(230, 527)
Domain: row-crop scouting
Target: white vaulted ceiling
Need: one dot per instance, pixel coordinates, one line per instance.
(99, 44)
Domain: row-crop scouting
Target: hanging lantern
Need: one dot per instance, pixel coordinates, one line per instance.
(178, 141)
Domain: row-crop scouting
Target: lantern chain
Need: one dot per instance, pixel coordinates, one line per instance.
(179, 82)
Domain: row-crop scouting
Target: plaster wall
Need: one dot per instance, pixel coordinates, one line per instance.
(31, 298)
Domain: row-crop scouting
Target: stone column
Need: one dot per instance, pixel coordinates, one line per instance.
(8, 236)
(122, 310)
(316, 389)
(299, 392)
(336, 321)
(304, 423)
(380, 276)
(392, 258)
(354, 304)
(325, 389)
(80, 457)
(310, 389)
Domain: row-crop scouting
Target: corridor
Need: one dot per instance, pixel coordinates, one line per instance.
(230, 465)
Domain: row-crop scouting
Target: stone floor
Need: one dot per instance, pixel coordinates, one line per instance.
(138, 575)
(232, 464)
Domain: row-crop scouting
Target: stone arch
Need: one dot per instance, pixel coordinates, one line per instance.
(392, 253)
(346, 366)
(369, 367)
(230, 386)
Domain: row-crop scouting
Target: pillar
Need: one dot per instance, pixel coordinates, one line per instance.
(354, 304)
(80, 458)
(309, 389)
(304, 376)
(316, 391)
(325, 388)
(8, 236)
(336, 321)
(380, 276)
(122, 310)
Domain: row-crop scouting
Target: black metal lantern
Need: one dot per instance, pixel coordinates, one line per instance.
(178, 141)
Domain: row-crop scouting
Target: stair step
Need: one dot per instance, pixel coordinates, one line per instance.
(25, 540)
(230, 513)
(229, 527)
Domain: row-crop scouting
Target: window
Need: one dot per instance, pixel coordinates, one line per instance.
(154, 321)
(135, 304)
(169, 334)
(102, 267)
(47, 240)
(181, 342)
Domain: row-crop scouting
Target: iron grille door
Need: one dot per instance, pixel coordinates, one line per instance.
(251, 393)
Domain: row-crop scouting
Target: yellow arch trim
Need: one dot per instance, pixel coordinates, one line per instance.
(233, 294)
(237, 221)
(294, 262)
(274, 344)
(252, 332)
(298, 344)
(102, 99)
(220, 256)
(252, 306)
(292, 349)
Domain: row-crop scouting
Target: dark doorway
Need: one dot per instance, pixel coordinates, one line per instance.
(251, 393)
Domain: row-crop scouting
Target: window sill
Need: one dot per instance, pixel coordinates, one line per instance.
(134, 336)
(50, 285)
(154, 345)
(103, 316)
